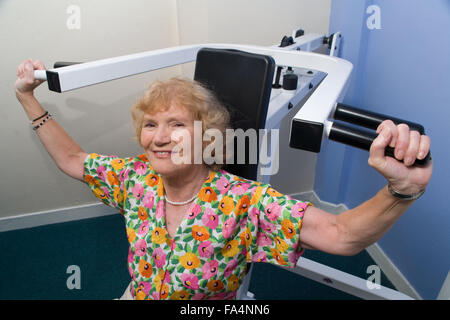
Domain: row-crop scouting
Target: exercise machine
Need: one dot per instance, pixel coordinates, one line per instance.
(287, 75)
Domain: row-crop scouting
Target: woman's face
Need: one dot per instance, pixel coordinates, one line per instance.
(161, 137)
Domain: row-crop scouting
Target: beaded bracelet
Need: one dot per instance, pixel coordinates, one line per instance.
(49, 116)
(38, 118)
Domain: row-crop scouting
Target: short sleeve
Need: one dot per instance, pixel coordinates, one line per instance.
(105, 177)
(279, 219)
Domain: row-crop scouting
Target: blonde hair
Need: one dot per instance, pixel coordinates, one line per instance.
(197, 99)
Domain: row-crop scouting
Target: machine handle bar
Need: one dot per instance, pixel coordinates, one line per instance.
(42, 74)
(362, 139)
(367, 119)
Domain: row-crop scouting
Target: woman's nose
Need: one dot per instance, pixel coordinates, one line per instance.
(162, 136)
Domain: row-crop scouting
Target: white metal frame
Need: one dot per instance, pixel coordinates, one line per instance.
(345, 282)
(332, 73)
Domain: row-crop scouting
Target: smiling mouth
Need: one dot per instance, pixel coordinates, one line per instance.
(163, 154)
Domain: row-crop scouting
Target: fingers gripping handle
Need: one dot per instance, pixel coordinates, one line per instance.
(40, 74)
(362, 139)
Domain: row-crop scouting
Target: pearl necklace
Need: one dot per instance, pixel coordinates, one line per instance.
(175, 203)
(181, 203)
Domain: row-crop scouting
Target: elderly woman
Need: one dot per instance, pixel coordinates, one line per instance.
(193, 227)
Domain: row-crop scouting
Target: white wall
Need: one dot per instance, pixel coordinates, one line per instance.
(98, 117)
(256, 22)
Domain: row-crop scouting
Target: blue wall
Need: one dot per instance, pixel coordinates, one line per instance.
(403, 70)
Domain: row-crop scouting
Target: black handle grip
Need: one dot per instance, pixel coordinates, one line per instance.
(369, 119)
(362, 139)
(60, 64)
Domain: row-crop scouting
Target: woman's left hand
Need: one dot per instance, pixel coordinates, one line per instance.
(402, 174)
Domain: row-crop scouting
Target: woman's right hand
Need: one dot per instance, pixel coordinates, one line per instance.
(26, 83)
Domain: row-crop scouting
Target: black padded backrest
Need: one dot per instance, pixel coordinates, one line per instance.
(242, 81)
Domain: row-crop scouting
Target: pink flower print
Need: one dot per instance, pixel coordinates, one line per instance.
(131, 272)
(123, 175)
(140, 168)
(273, 211)
(219, 296)
(298, 209)
(231, 295)
(228, 227)
(244, 251)
(190, 281)
(240, 188)
(260, 257)
(199, 296)
(141, 247)
(130, 255)
(167, 277)
(155, 295)
(267, 226)
(145, 287)
(138, 191)
(149, 199)
(263, 239)
(230, 267)
(210, 269)
(143, 229)
(101, 172)
(223, 185)
(243, 222)
(159, 213)
(194, 210)
(210, 218)
(172, 244)
(254, 216)
(294, 256)
(205, 249)
(106, 192)
(160, 257)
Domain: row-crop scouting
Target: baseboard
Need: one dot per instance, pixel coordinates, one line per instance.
(376, 253)
(35, 219)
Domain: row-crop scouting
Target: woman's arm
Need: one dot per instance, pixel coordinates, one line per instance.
(352, 231)
(66, 153)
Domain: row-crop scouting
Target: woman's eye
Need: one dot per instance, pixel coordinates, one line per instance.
(179, 124)
(149, 125)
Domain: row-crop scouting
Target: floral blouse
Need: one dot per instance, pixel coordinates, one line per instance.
(233, 221)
